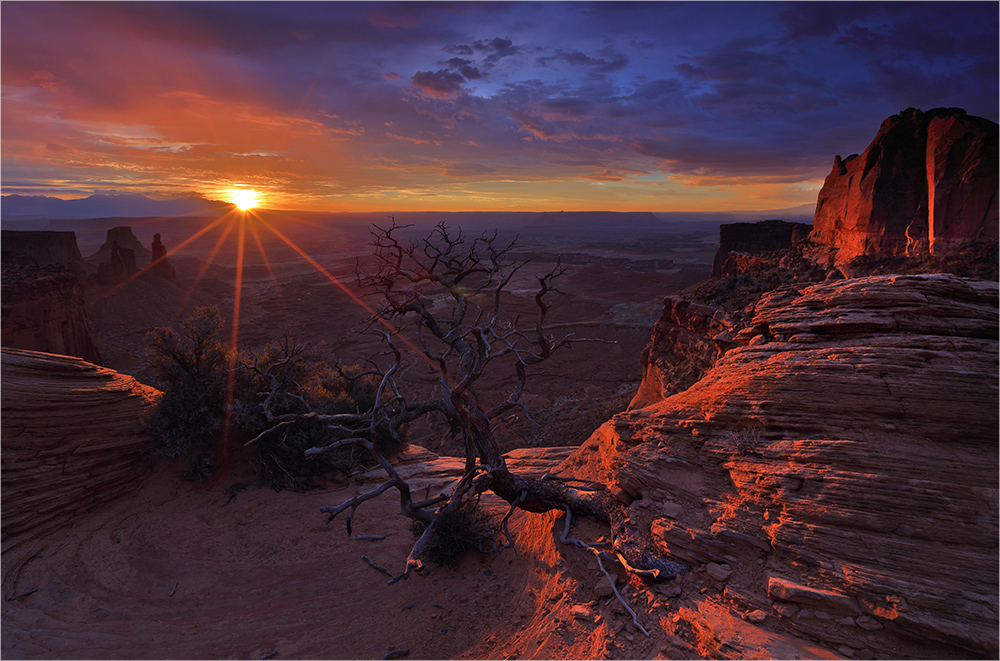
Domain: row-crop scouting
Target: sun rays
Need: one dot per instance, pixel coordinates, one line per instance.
(244, 220)
(260, 224)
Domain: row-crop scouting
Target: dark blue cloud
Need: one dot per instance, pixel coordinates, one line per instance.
(822, 19)
(465, 68)
(440, 83)
(608, 63)
(716, 88)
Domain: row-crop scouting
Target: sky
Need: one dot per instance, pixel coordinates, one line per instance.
(364, 106)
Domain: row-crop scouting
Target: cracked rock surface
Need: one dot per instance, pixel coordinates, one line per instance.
(872, 489)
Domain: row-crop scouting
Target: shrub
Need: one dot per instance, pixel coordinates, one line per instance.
(191, 369)
(297, 385)
(745, 440)
(468, 528)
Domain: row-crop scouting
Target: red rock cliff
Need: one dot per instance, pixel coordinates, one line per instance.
(43, 310)
(73, 437)
(838, 473)
(687, 340)
(928, 181)
(762, 236)
(43, 249)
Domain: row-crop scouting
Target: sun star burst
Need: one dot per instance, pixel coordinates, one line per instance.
(244, 199)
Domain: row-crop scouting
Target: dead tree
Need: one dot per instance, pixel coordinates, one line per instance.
(441, 297)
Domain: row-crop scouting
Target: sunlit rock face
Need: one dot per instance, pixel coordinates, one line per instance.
(928, 181)
(841, 463)
(73, 437)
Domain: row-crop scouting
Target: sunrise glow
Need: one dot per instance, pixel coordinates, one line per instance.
(244, 199)
(464, 107)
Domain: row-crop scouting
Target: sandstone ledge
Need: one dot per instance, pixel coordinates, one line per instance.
(850, 448)
(73, 437)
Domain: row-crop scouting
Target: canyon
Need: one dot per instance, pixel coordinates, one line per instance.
(819, 451)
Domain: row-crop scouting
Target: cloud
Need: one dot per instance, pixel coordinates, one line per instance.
(465, 68)
(440, 84)
(494, 49)
(748, 77)
(372, 97)
(607, 63)
(469, 170)
(497, 49)
(925, 41)
(822, 19)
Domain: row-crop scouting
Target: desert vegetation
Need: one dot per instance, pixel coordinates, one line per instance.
(439, 309)
(190, 366)
(214, 397)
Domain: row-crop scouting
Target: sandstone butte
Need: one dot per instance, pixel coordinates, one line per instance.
(830, 476)
(927, 182)
(44, 307)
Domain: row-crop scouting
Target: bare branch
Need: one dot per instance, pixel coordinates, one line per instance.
(566, 539)
(413, 561)
(375, 565)
(443, 294)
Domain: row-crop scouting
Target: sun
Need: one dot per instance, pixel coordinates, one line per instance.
(244, 199)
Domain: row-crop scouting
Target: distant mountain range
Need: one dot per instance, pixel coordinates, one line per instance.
(40, 207)
(129, 205)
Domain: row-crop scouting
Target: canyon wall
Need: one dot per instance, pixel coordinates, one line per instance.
(43, 310)
(836, 473)
(73, 437)
(927, 182)
(687, 339)
(43, 249)
(762, 236)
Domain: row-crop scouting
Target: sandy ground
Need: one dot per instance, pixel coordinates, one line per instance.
(231, 569)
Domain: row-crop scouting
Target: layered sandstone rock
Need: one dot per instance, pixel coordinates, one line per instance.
(753, 238)
(928, 181)
(73, 437)
(687, 339)
(838, 472)
(43, 310)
